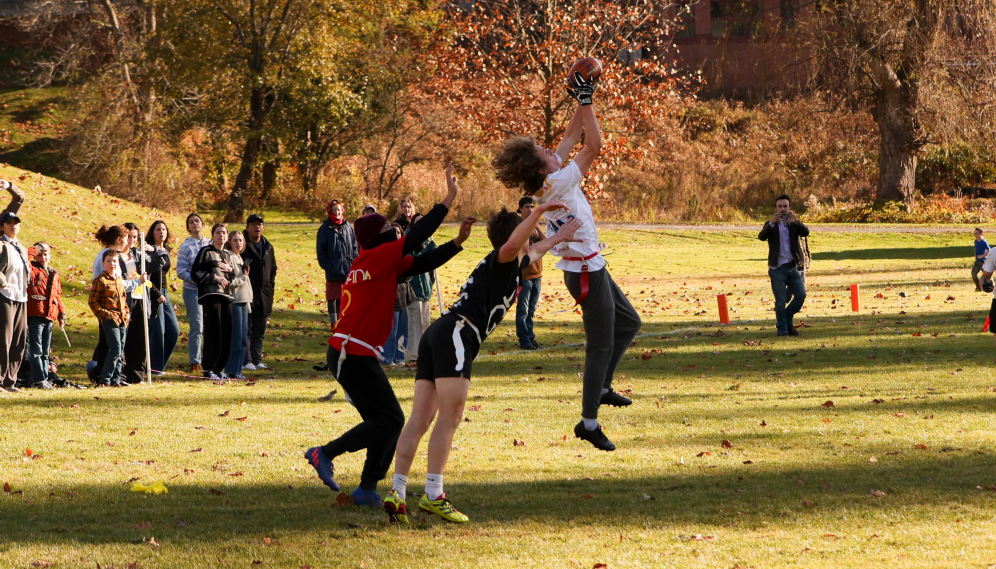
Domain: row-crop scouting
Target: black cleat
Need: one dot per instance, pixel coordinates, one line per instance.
(614, 399)
(596, 437)
(793, 331)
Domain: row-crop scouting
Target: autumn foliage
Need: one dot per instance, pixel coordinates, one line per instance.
(503, 68)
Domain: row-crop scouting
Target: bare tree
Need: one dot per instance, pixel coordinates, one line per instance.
(914, 64)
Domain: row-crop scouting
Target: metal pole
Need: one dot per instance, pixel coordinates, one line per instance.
(145, 311)
(66, 335)
(439, 291)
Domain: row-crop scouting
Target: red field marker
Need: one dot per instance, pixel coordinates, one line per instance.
(855, 300)
(724, 313)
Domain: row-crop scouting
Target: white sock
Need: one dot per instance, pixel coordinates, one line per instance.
(400, 486)
(590, 424)
(604, 391)
(434, 486)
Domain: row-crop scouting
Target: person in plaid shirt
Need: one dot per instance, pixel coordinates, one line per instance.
(109, 303)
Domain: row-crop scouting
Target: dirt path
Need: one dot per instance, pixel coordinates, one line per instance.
(822, 227)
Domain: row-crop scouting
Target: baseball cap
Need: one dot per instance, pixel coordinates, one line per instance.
(254, 218)
(9, 216)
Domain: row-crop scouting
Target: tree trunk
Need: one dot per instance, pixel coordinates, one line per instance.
(269, 180)
(894, 112)
(250, 154)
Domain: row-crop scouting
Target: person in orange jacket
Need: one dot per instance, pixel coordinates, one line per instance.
(45, 307)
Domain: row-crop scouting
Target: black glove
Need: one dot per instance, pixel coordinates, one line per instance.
(581, 90)
(987, 285)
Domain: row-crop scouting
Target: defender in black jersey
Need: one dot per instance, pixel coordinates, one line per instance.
(447, 350)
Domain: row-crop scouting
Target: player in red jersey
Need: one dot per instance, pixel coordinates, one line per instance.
(364, 323)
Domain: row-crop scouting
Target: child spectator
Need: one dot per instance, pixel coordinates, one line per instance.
(981, 251)
(45, 307)
(108, 300)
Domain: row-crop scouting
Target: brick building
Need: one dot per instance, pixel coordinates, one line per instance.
(739, 44)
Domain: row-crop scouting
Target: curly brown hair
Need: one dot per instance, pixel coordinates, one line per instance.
(517, 165)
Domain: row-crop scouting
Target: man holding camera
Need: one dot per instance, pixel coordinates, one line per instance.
(785, 258)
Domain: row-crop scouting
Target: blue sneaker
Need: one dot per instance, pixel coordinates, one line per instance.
(323, 466)
(367, 498)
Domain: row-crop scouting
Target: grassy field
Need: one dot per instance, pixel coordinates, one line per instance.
(868, 441)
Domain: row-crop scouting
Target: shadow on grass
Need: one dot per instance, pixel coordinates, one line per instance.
(705, 492)
(916, 253)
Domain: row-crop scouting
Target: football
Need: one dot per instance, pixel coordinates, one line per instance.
(589, 68)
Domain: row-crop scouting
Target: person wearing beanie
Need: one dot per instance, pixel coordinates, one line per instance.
(365, 320)
(337, 248)
(525, 305)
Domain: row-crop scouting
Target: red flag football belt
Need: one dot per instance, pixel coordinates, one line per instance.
(584, 275)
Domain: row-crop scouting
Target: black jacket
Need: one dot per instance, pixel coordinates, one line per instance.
(336, 249)
(770, 234)
(262, 273)
(157, 266)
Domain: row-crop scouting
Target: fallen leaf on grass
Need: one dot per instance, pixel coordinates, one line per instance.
(873, 459)
(225, 414)
(923, 447)
(599, 566)
(217, 492)
(344, 499)
(257, 562)
(518, 443)
(235, 473)
(198, 449)
(241, 418)
(704, 453)
(267, 540)
(41, 563)
(648, 497)
(29, 452)
(900, 415)
(151, 541)
(143, 525)
(876, 493)
(586, 496)
(181, 523)
(828, 404)
(763, 423)
(726, 444)
(748, 462)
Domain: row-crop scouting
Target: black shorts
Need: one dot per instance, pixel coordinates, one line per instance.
(992, 317)
(438, 350)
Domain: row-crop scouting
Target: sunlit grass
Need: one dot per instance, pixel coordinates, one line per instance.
(898, 471)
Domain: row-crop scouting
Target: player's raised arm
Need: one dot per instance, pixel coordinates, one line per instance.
(565, 233)
(518, 239)
(592, 139)
(430, 222)
(572, 134)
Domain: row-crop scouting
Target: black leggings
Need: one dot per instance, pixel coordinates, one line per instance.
(217, 334)
(371, 392)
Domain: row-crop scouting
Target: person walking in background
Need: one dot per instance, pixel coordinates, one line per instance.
(418, 310)
(45, 307)
(525, 306)
(981, 251)
(241, 292)
(782, 232)
(184, 263)
(213, 271)
(261, 265)
(14, 274)
(109, 304)
(336, 250)
(164, 329)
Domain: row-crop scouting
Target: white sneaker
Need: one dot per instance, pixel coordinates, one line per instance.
(261, 365)
(249, 366)
(222, 376)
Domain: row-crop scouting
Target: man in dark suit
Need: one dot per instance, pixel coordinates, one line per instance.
(785, 260)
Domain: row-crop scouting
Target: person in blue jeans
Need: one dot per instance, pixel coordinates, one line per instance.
(782, 232)
(532, 277)
(241, 290)
(164, 328)
(184, 263)
(981, 252)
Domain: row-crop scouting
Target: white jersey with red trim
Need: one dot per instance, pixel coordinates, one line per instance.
(564, 185)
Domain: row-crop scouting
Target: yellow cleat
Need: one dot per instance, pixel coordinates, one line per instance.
(442, 508)
(396, 508)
